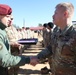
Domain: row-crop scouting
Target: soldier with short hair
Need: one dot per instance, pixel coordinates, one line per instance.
(50, 26)
(12, 32)
(16, 48)
(45, 33)
(63, 42)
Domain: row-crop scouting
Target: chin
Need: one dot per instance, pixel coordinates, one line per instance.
(6, 25)
(53, 21)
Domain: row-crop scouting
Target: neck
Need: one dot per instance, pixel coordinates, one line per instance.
(2, 26)
(64, 24)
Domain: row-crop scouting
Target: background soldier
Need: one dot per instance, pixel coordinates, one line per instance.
(15, 46)
(50, 26)
(13, 38)
(44, 34)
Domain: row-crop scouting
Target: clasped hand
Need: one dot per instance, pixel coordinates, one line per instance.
(34, 60)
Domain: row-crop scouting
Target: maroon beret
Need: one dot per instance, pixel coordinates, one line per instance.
(5, 9)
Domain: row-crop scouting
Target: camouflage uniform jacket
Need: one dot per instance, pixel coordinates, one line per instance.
(63, 51)
(12, 34)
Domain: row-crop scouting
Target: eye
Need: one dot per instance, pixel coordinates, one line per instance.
(11, 18)
(7, 16)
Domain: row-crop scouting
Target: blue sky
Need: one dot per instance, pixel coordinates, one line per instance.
(32, 12)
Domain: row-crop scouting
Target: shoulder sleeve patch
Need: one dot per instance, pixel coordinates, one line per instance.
(1, 46)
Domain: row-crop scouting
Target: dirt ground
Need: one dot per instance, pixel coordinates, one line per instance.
(28, 69)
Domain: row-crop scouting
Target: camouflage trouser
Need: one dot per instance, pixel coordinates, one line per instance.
(45, 42)
(50, 61)
(65, 71)
(14, 70)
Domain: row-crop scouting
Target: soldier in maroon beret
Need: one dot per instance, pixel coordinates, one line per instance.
(6, 58)
(5, 11)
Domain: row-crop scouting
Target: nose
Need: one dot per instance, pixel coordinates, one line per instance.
(9, 18)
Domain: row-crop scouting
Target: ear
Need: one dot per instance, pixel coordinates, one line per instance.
(66, 14)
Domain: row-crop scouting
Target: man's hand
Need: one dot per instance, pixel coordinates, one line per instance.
(15, 44)
(34, 60)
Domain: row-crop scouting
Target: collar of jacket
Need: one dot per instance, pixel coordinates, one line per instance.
(2, 26)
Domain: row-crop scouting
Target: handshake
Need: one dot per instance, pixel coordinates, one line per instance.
(34, 60)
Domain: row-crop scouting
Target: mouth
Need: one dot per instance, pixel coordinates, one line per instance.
(9, 22)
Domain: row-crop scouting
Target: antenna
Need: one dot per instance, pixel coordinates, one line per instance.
(23, 22)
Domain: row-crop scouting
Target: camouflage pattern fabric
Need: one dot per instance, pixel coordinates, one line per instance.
(64, 51)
